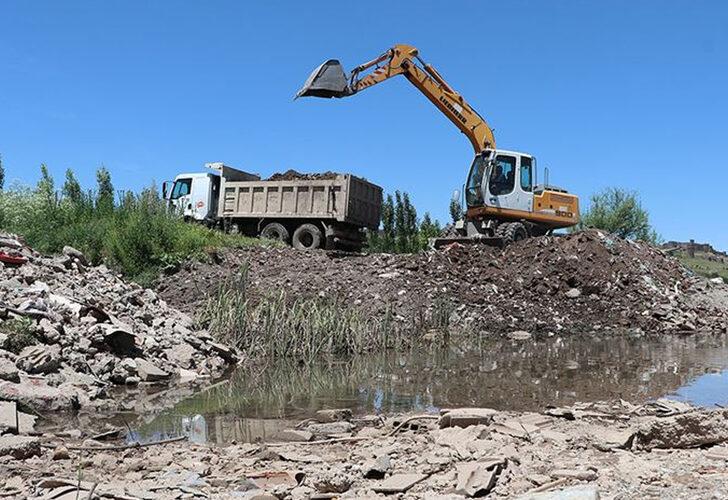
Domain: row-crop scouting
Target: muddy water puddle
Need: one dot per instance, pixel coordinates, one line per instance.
(501, 374)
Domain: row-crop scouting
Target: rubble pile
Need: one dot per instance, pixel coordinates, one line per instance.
(70, 331)
(587, 281)
(586, 451)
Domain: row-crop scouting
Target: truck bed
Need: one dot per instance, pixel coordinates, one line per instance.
(345, 198)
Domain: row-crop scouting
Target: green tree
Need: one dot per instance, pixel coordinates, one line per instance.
(71, 188)
(46, 186)
(2, 174)
(620, 212)
(456, 210)
(388, 236)
(428, 229)
(104, 190)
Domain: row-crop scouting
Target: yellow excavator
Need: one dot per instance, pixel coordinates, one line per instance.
(504, 202)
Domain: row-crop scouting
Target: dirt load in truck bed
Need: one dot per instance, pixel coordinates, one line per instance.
(293, 175)
(586, 281)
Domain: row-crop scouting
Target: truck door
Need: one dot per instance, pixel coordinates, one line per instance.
(180, 198)
(509, 178)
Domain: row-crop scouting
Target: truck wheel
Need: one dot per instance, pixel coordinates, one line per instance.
(307, 237)
(275, 231)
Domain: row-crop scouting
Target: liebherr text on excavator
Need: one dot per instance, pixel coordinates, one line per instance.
(503, 201)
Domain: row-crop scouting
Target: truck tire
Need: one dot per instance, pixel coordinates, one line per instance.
(275, 231)
(512, 232)
(307, 237)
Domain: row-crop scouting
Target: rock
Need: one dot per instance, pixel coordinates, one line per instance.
(333, 415)
(19, 447)
(8, 417)
(333, 482)
(69, 251)
(60, 453)
(464, 417)
(223, 351)
(398, 483)
(120, 340)
(39, 359)
(476, 479)
(148, 372)
(687, 430)
(583, 492)
(187, 376)
(580, 475)
(8, 371)
(331, 428)
(181, 354)
(519, 335)
(38, 395)
(294, 435)
(573, 293)
(611, 439)
(378, 467)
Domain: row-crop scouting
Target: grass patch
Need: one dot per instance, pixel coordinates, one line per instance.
(19, 334)
(276, 327)
(137, 236)
(701, 265)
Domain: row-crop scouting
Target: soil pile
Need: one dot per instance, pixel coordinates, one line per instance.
(293, 175)
(70, 331)
(585, 281)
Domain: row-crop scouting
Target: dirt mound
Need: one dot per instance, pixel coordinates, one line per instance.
(293, 175)
(585, 281)
(69, 331)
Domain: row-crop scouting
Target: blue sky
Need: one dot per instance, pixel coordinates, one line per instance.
(618, 93)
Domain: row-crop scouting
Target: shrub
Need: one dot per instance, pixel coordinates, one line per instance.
(620, 212)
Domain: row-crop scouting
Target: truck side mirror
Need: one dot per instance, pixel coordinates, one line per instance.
(165, 190)
(456, 195)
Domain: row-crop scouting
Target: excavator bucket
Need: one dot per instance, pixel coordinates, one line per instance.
(328, 80)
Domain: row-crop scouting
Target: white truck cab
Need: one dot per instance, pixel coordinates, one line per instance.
(194, 196)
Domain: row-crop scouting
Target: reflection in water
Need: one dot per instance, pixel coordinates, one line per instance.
(516, 375)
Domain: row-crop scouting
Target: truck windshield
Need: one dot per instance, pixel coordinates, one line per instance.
(181, 188)
(473, 191)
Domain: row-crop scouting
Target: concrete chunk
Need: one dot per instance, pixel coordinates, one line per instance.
(464, 417)
(476, 479)
(19, 447)
(149, 372)
(398, 483)
(8, 417)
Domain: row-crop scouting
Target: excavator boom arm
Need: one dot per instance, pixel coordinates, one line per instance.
(403, 60)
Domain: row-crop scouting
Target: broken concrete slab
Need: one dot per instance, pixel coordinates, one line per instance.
(8, 371)
(463, 417)
(37, 394)
(294, 435)
(9, 417)
(580, 475)
(686, 430)
(38, 358)
(398, 483)
(331, 428)
(582, 492)
(605, 439)
(378, 467)
(148, 372)
(19, 447)
(476, 479)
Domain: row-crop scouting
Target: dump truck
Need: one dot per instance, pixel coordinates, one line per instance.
(306, 211)
(504, 201)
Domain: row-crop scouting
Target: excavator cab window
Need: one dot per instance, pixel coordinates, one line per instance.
(473, 189)
(503, 175)
(526, 174)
